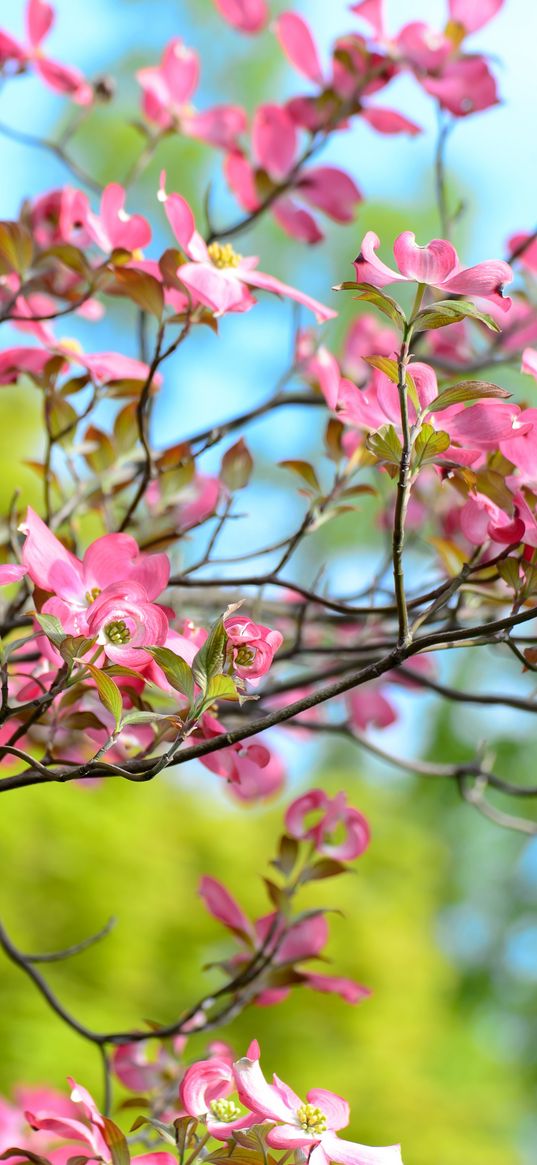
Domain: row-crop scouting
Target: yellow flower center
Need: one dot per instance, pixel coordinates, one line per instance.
(225, 1110)
(93, 594)
(223, 255)
(245, 656)
(312, 1119)
(117, 632)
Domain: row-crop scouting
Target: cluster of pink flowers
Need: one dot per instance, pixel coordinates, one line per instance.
(206, 1094)
(309, 1125)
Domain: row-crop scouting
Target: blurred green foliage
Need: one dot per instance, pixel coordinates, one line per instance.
(409, 1059)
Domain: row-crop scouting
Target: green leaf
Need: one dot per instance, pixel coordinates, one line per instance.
(16, 248)
(52, 628)
(143, 718)
(221, 688)
(109, 693)
(117, 1143)
(288, 848)
(236, 467)
(464, 391)
(386, 446)
(450, 311)
(210, 658)
(509, 570)
(429, 444)
(304, 470)
(384, 302)
(143, 289)
(101, 453)
(176, 670)
(74, 646)
(324, 868)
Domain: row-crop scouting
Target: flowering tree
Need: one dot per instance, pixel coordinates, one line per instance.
(122, 655)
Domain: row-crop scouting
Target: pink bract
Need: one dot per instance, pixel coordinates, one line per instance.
(335, 813)
(436, 264)
(295, 1124)
(219, 278)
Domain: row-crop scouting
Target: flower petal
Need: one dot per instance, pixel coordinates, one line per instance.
(350, 1153)
(430, 264)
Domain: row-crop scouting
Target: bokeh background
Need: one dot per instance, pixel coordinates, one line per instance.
(440, 916)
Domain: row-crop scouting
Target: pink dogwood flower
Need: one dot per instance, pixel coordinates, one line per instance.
(167, 89)
(11, 572)
(216, 275)
(311, 1125)
(123, 621)
(113, 226)
(39, 18)
(59, 216)
(355, 73)
(252, 647)
(252, 771)
(275, 157)
(89, 1128)
(292, 943)
(473, 14)
(205, 1093)
(473, 429)
(335, 815)
(76, 584)
(462, 83)
(248, 16)
(436, 265)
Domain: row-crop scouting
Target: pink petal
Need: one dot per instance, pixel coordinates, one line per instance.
(305, 940)
(182, 222)
(65, 79)
(219, 289)
(180, 69)
(257, 1094)
(297, 42)
(247, 15)
(205, 1081)
(473, 14)
(296, 222)
(369, 268)
(39, 20)
(240, 176)
(369, 707)
(129, 231)
(466, 86)
(270, 283)
(222, 906)
(483, 424)
(529, 362)
(11, 572)
(332, 191)
(350, 991)
(116, 556)
(219, 126)
(289, 1137)
(274, 140)
(423, 49)
(371, 11)
(335, 1108)
(485, 279)
(430, 264)
(349, 1153)
(388, 121)
(49, 564)
(324, 368)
